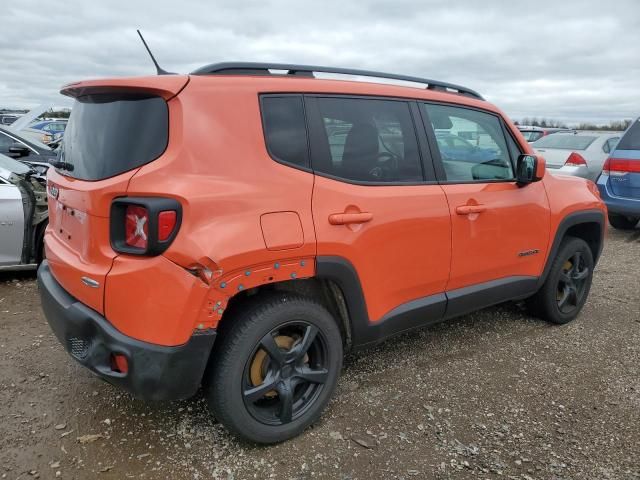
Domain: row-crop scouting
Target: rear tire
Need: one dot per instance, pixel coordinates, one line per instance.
(565, 291)
(621, 222)
(275, 368)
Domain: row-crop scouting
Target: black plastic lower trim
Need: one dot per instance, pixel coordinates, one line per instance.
(408, 316)
(416, 313)
(155, 372)
(472, 298)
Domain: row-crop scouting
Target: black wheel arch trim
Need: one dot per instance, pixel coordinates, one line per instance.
(572, 220)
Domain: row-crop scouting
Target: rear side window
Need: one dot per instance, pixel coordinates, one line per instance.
(110, 134)
(485, 157)
(285, 129)
(368, 140)
(631, 139)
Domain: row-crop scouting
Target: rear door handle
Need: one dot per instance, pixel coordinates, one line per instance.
(469, 209)
(349, 218)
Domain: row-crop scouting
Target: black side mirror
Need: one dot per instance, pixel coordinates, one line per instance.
(530, 168)
(17, 151)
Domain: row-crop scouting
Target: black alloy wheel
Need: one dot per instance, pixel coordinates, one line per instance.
(566, 287)
(286, 373)
(274, 366)
(572, 283)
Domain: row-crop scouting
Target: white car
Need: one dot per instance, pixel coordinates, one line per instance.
(577, 153)
(23, 215)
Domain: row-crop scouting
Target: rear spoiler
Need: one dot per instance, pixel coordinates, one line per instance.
(167, 86)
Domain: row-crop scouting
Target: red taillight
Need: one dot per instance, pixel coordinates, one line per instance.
(136, 227)
(144, 225)
(575, 160)
(620, 166)
(166, 223)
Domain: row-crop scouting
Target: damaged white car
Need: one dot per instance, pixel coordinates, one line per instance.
(23, 215)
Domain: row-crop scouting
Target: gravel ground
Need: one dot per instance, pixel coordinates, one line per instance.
(496, 394)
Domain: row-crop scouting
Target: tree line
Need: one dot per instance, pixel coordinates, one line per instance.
(615, 125)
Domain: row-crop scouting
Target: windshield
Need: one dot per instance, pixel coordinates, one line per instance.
(568, 142)
(109, 134)
(13, 165)
(631, 139)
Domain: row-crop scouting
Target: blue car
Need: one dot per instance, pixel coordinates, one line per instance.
(619, 182)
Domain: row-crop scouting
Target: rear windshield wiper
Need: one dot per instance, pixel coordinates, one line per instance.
(62, 165)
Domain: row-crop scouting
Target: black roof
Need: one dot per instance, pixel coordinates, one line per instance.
(253, 68)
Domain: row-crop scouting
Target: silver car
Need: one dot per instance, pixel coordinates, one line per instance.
(23, 215)
(581, 154)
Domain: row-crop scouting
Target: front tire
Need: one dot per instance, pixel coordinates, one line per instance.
(275, 369)
(565, 291)
(621, 222)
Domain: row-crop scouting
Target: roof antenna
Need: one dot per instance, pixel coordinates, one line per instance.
(159, 69)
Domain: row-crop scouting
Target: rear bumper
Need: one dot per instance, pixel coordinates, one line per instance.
(617, 205)
(154, 372)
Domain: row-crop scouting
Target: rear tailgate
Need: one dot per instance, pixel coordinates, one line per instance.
(77, 238)
(116, 126)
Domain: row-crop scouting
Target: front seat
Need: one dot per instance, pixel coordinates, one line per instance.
(360, 154)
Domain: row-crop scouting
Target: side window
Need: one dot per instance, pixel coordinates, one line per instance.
(285, 129)
(610, 145)
(369, 140)
(481, 153)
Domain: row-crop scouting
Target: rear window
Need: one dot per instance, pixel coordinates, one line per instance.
(631, 139)
(110, 134)
(569, 142)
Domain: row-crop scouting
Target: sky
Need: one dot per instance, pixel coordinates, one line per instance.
(571, 61)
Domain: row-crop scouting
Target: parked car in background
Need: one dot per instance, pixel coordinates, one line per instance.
(531, 133)
(23, 215)
(15, 145)
(7, 118)
(45, 131)
(619, 182)
(578, 153)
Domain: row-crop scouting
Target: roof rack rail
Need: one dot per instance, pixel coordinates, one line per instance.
(254, 68)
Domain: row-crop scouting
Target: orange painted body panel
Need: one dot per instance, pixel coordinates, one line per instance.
(153, 299)
(253, 221)
(486, 245)
(402, 253)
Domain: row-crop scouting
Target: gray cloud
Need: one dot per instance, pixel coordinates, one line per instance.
(569, 61)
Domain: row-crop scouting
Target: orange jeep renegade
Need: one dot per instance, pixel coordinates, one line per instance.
(242, 227)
